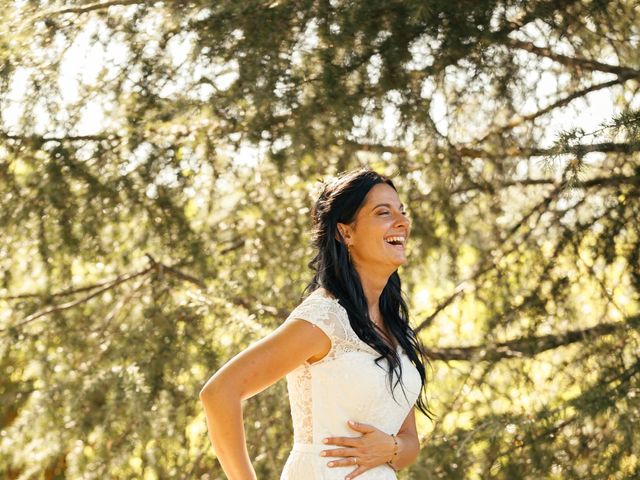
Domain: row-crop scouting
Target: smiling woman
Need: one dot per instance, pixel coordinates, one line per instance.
(339, 349)
(381, 220)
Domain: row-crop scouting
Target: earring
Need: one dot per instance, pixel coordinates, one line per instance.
(349, 253)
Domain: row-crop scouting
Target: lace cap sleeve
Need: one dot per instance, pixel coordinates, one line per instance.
(321, 312)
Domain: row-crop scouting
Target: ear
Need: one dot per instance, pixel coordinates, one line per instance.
(342, 229)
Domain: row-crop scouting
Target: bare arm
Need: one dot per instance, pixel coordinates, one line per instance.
(247, 374)
(408, 442)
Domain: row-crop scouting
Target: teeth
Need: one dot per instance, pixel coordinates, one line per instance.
(396, 239)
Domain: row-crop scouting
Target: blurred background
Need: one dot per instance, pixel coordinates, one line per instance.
(158, 163)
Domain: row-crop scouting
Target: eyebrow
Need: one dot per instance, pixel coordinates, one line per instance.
(387, 205)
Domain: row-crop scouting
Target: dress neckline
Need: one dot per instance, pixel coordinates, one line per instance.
(328, 296)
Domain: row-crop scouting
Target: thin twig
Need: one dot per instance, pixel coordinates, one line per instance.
(519, 119)
(68, 305)
(576, 62)
(90, 7)
(154, 265)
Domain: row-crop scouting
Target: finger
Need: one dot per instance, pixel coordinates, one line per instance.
(343, 441)
(361, 427)
(361, 469)
(339, 452)
(343, 462)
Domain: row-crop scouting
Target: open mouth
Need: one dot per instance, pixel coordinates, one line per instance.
(398, 245)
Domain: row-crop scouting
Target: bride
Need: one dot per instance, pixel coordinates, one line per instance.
(340, 349)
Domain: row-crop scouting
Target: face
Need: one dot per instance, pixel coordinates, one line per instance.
(381, 217)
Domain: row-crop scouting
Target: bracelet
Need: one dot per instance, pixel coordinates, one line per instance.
(395, 452)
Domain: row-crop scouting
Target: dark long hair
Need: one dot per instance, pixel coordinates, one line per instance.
(340, 201)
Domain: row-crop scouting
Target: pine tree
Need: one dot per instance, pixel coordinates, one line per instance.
(140, 252)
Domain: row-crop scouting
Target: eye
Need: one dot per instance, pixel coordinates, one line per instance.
(383, 213)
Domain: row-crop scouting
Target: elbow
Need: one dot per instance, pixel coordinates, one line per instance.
(209, 389)
(204, 393)
(217, 390)
(208, 392)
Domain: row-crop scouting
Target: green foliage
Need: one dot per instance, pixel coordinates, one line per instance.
(158, 163)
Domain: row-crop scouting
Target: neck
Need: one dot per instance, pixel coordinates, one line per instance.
(373, 282)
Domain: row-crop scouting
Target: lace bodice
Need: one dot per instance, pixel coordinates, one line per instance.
(345, 384)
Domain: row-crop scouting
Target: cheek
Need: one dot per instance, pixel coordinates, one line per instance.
(374, 232)
(378, 231)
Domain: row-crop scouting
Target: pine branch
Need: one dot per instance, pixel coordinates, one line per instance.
(488, 264)
(177, 273)
(67, 138)
(120, 304)
(529, 346)
(103, 287)
(514, 151)
(62, 293)
(601, 282)
(518, 120)
(604, 392)
(576, 62)
(235, 245)
(91, 7)
(493, 37)
(66, 306)
(613, 180)
(376, 147)
(605, 147)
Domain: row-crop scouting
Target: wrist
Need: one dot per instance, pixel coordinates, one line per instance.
(394, 453)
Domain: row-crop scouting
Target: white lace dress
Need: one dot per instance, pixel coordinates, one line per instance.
(345, 384)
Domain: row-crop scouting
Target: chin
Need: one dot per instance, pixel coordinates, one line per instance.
(400, 262)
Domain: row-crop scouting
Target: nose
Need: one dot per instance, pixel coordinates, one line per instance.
(402, 220)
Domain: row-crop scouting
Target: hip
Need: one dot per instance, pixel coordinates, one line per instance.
(305, 463)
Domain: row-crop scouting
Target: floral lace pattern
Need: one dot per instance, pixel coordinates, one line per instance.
(345, 384)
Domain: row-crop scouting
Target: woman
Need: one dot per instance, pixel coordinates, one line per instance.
(340, 349)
